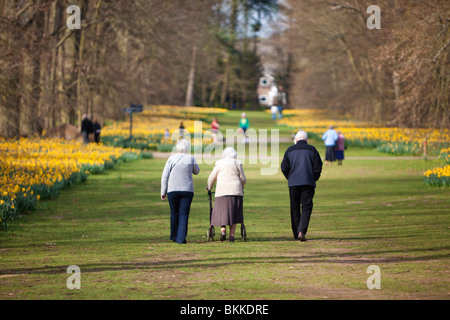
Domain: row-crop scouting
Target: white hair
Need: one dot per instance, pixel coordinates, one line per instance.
(301, 135)
(229, 153)
(183, 146)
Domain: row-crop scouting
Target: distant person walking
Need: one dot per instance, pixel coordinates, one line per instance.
(228, 206)
(182, 130)
(244, 124)
(86, 128)
(330, 137)
(340, 147)
(97, 129)
(214, 129)
(177, 185)
(302, 167)
(166, 134)
(281, 100)
(274, 110)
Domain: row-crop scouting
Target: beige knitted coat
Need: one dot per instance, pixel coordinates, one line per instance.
(230, 177)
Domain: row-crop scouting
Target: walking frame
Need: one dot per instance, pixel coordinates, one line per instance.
(211, 231)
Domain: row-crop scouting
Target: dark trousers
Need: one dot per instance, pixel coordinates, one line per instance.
(301, 195)
(180, 205)
(85, 135)
(330, 155)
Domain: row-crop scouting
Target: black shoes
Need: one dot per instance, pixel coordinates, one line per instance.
(301, 236)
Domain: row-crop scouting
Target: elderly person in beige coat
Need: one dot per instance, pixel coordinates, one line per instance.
(229, 195)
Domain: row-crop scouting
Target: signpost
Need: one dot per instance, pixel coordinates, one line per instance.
(131, 109)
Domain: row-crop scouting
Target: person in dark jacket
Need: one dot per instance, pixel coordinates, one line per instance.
(97, 129)
(302, 167)
(86, 128)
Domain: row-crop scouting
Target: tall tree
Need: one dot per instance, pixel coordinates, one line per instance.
(146, 51)
(397, 75)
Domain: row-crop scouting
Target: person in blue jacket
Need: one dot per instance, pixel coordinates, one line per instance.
(330, 137)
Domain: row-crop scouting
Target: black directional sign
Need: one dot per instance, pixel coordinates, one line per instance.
(131, 109)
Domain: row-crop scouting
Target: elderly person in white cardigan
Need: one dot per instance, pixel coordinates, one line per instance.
(229, 195)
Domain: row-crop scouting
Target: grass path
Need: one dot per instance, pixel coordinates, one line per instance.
(116, 229)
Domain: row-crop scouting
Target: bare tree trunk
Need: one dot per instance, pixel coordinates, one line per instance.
(81, 105)
(191, 81)
(95, 99)
(10, 78)
(226, 78)
(31, 77)
(227, 74)
(212, 96)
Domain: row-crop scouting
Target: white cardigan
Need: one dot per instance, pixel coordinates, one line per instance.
(230, 178)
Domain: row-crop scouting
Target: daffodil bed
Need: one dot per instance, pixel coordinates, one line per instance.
(34, 169)
(150, 125)
(391, 140)
(439, 176)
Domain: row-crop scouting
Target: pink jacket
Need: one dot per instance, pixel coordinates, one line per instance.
(340, 143)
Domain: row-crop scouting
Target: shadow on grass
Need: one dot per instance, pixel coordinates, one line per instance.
(359, 257)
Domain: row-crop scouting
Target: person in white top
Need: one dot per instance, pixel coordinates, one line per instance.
(274, 110)
(229, 194)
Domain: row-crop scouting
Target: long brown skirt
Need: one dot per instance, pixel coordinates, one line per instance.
(228, 210)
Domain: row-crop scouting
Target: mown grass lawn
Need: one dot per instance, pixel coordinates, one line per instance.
(116, 229)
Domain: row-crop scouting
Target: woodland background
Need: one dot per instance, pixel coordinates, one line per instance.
(212, 53)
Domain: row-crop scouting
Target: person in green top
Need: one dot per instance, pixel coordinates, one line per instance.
(243, 123)
(243, 126)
